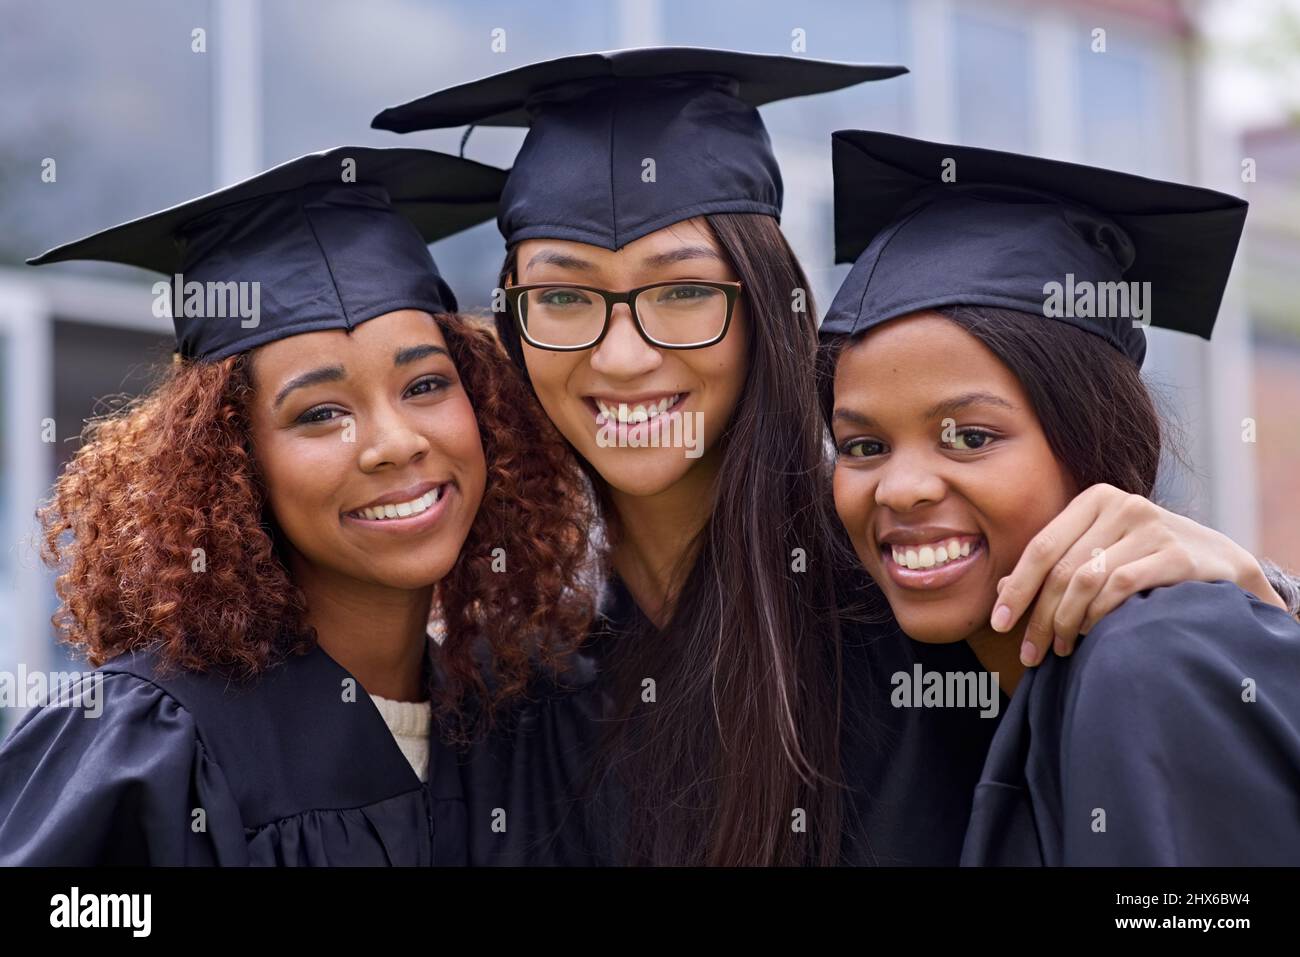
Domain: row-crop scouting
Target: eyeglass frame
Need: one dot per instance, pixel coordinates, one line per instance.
(729, 289)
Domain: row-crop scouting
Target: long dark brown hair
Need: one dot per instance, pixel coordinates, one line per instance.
(747, 670)
(1096, 413)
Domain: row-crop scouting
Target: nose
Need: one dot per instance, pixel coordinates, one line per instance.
(623, 354)
(909, 481)
(391, 441)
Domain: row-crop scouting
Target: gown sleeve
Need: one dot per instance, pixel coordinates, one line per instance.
(118, 777)
(1171, 737)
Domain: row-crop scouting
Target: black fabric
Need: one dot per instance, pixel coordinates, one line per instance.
(1010, 224)
(596, 119)
(286, 770)
(526, 782)
(909, 773)
(1147, 722)
(325, 253)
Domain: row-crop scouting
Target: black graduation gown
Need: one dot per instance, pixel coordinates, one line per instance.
(285, 772)
(1147, 724)
(528, 784)
(911, 770)
(910, 773)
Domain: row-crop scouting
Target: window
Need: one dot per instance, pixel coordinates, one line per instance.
(991, 70)
(1115, 110)
(119, 102)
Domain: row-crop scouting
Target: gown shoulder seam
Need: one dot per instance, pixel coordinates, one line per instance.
(254, 828)
(195, 731)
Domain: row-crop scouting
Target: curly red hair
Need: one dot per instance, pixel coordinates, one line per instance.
(173, 472)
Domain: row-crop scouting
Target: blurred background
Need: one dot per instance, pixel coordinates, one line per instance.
(136, 117)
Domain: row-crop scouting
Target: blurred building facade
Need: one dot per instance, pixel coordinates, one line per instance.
(1272, 289)
(136, 118)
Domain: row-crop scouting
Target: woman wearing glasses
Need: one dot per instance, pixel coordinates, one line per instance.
(649, 279)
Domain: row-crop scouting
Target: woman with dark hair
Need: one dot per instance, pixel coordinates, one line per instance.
(250, 552)
(968, 407)
(668, 331)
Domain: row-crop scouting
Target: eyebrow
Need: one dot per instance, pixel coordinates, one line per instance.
(965, 401)
(552, 257)
(337, 374)
(416, 353)
(680, 254)
(314, 377)
(942, 408)
(853, 418)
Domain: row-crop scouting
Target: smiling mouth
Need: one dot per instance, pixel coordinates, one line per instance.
(398, 510)
(933, 564)
(932, 554)
(608, 412)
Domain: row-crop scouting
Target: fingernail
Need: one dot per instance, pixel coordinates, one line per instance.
(1058, 645)
(1028, 654)
(1001, 617)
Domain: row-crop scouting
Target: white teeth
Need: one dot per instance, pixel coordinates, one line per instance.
(402, 509)
(633, 414)
(930, 556)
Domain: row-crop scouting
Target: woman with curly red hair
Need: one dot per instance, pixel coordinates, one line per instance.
(251, 553)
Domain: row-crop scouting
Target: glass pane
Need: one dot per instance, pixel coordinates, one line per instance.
(114, 95)
(857, 31)
(562, 316)
(682, 314)
(991, 72)
(328, 68)
(1115, 107)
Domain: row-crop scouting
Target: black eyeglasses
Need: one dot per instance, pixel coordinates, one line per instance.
(678, 314)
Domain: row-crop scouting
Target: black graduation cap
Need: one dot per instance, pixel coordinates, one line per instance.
(596, 121)
(331, 239)
(1006, 227)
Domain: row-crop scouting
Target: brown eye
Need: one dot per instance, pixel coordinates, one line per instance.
(428, 385)
(972, 440)
(321, 413)
(861, 448)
